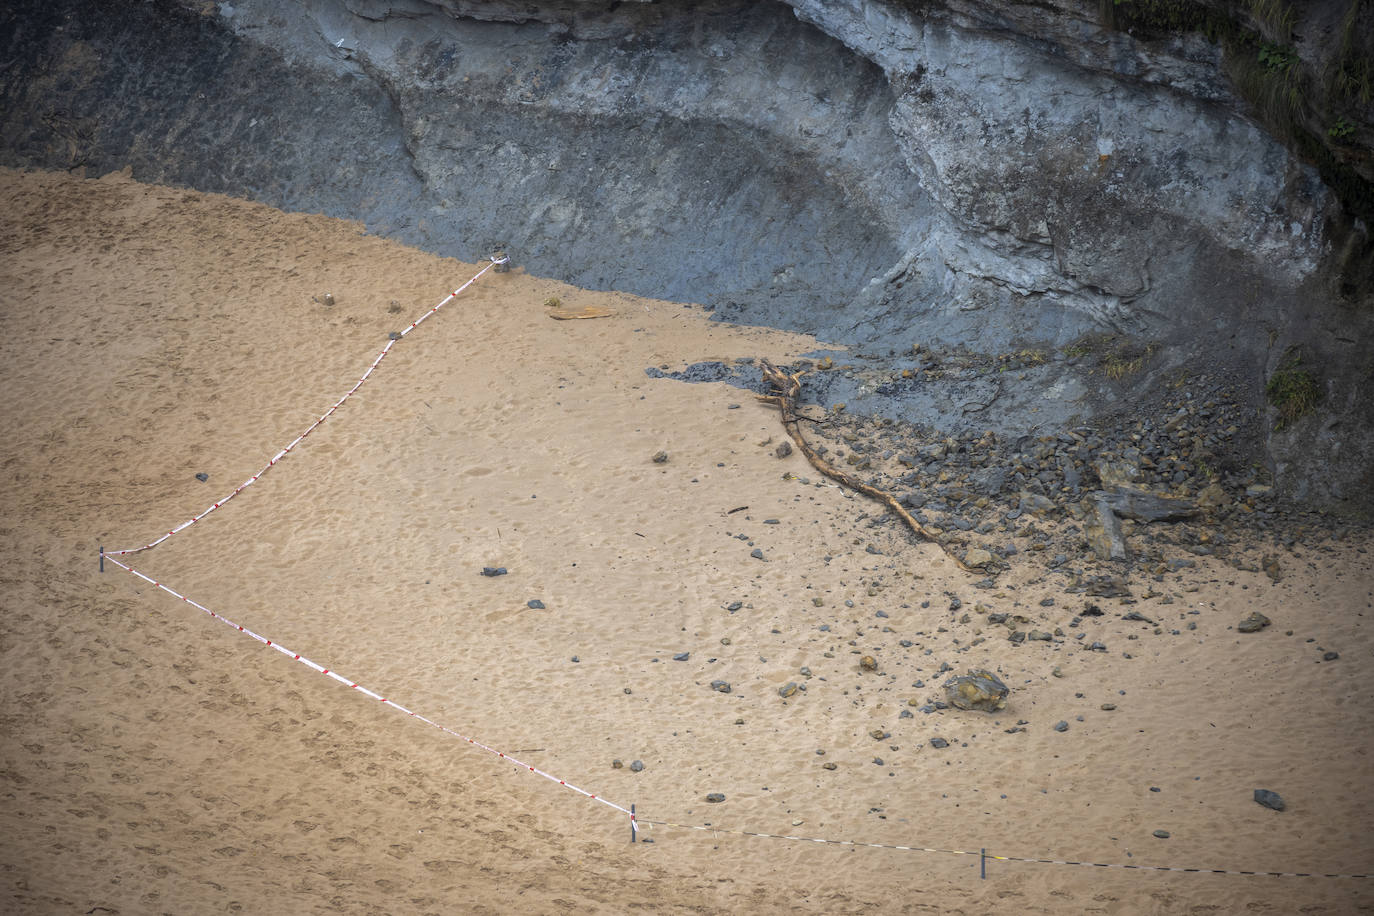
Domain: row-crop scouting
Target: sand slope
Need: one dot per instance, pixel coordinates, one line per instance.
(156, 761)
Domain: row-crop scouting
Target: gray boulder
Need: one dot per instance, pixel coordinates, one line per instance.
(979, 689)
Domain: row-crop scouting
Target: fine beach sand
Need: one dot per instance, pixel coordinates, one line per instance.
(154, 760)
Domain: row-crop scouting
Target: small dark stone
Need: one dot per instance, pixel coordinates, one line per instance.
(637, 766)
(1253, 623)
(1162, 834)
(682, 656)
(787, 689)
(720, 686)
(938, 743)
(1269, 799)
(715, 798)
(1330, 656)
(756, 553)
(202, 477)
(660, 457)
(535, 604)
(493, 570)
(784, 449)
(1061, 726)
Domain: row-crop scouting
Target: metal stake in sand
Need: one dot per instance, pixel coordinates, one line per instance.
(983, 863)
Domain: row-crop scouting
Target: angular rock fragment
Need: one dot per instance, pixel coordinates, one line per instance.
(979, 689)
(1142, 506)
(1102, 530)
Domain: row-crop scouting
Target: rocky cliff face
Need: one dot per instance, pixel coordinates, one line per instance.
(999, 176)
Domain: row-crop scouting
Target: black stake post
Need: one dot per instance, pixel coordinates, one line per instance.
(102, 559)
(983, 863)
(633, 831)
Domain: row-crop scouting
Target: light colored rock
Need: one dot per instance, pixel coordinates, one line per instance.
(977, 557)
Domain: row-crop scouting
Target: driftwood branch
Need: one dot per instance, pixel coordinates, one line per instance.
(787, 390)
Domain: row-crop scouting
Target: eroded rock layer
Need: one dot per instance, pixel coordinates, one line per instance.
(1003, 177)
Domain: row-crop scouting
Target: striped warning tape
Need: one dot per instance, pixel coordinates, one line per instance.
(981, 854)
(325, 416)
(371, 693)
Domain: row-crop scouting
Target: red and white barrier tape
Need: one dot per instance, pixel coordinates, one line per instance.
(373, 694)
(987, 856)
(325, 416)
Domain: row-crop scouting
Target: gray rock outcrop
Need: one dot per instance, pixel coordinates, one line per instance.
(876, 172)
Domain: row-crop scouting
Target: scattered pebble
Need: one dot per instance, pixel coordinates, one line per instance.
(1269, 799)
(535, 604)
(715, 798)
(490, 571)
(637, 766)
(1162, 834)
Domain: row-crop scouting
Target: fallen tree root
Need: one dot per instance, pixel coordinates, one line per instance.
(787, 389)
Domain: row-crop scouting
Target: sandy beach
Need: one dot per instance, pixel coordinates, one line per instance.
(154, 760)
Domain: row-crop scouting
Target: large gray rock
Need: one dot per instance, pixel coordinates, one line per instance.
(978, 689)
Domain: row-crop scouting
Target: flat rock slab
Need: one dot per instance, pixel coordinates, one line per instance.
(1148, 507)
